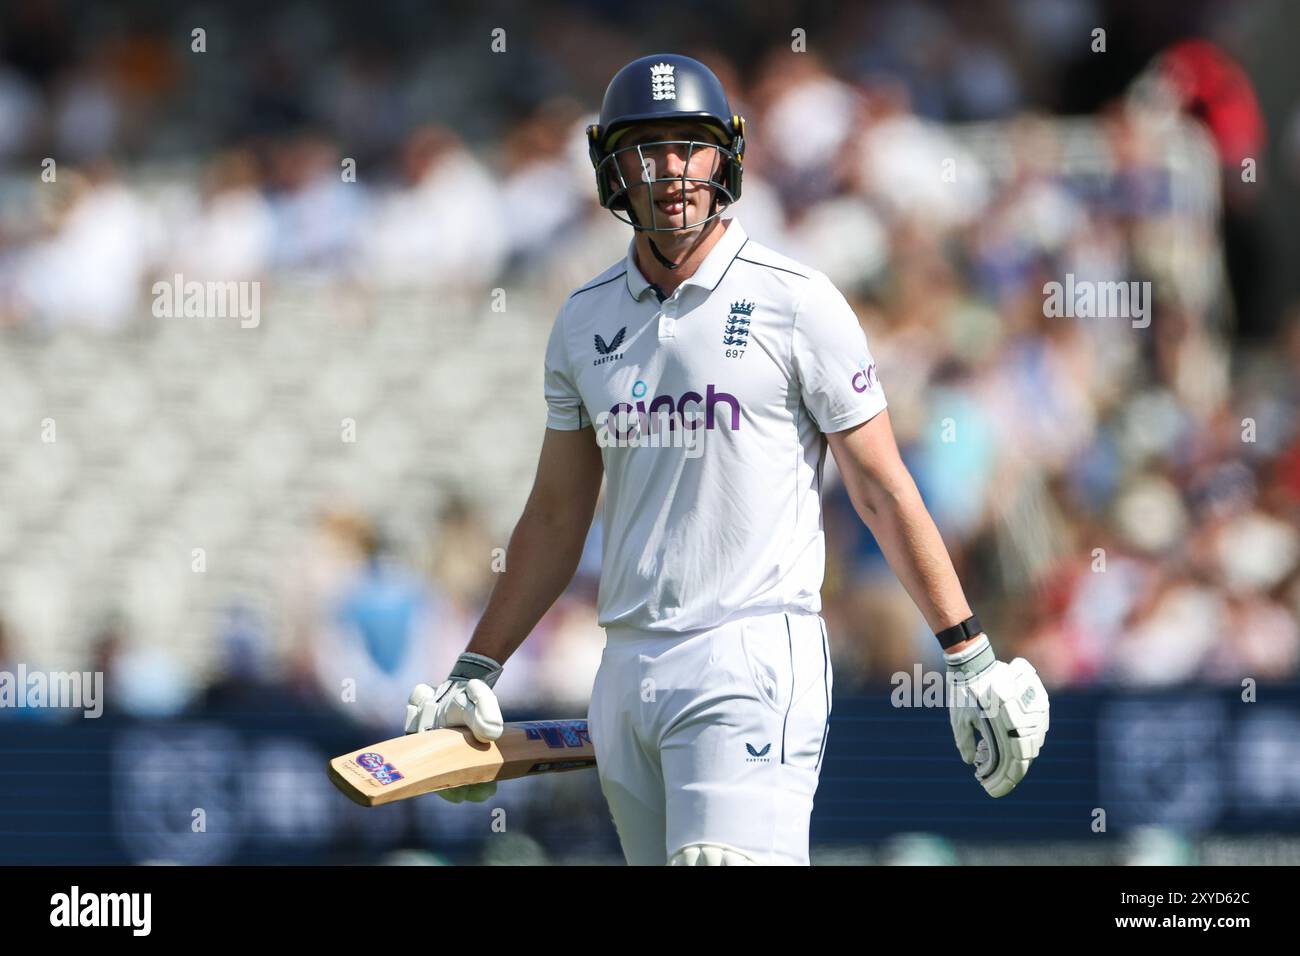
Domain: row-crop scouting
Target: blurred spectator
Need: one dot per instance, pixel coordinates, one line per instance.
(230, 235)
(540, 190)
(317, 215)
(89, 268)
(139, 680)
(378, 638)
(445, 227)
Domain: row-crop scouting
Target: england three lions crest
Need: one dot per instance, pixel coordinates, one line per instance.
(736, 331)
(663, 85)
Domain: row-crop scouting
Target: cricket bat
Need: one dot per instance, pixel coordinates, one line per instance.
(439, 759)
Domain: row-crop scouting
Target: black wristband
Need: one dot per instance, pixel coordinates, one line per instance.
(959, 632)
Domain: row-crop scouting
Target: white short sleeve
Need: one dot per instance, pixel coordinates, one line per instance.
(837, 376)
(564, 411)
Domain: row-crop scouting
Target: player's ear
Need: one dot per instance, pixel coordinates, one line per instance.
(611, 176)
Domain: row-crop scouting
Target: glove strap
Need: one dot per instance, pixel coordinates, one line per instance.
(959, 632)
(471, 666)
(973, 660)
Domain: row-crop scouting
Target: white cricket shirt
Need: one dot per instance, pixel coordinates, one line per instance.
(710, 408)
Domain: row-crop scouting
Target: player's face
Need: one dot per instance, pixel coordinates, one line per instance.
(667, 152)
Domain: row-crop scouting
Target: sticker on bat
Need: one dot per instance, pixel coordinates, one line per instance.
(370, 761)
(378, 768)
(558, 733)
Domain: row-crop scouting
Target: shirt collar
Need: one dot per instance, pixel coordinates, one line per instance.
(711, 270)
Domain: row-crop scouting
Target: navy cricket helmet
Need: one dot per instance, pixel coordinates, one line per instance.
(665, 87)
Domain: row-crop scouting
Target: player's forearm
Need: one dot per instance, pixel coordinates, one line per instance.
(541, 558)
(912, 545)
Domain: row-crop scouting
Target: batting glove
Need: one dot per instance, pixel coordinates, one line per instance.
(464, 699)
(1007, 704)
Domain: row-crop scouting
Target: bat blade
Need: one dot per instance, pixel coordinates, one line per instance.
(439, 759)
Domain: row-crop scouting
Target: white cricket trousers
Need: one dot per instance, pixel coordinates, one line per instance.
(714, 737)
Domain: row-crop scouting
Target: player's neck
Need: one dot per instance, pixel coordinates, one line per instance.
(669, 279)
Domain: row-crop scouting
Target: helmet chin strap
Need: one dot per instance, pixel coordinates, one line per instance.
(663, 259)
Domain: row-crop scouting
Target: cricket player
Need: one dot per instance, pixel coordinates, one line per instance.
(703, 377)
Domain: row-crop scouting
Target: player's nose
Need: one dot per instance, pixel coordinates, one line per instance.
(674, 165)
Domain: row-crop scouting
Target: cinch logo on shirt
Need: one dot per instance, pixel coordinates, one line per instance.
(864, 379)
(684, 409)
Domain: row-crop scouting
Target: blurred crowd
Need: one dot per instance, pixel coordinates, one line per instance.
(1122, 503)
